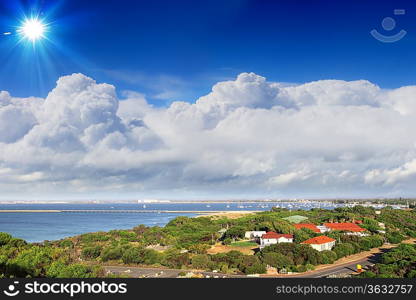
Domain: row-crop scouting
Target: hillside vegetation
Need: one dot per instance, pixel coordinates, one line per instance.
(183, 243)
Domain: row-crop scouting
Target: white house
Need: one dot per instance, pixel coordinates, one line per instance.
(320, 243)
(357, 233)
(322, 228)
(254, 234)
(272, 238)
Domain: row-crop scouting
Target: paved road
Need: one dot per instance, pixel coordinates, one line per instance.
(346, 268)
(160, 273)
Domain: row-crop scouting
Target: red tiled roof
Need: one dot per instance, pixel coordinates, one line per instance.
(322, 239)
(309, 226)
(344, 226)
(274, 235)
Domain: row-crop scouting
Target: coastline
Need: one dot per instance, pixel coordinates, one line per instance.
(228, 214)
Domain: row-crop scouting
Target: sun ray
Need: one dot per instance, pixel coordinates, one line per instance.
(32, 29)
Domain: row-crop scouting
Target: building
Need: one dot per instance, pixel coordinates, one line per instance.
(321, 243)
(322, 228)
(222, 232)
(312, 227)
(272, 238)
(353, 229)
(383, 228)
(382, 225)
(254, 234)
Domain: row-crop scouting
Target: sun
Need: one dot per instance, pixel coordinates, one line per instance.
(32, 29)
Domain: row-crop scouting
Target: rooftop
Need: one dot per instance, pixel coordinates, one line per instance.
(322, 239)
(344, 226)
(308, 226)
(274, 235)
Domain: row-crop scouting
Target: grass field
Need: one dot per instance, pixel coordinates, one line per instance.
(244, 244)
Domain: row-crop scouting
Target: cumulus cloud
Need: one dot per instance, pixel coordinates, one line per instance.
(247, 137)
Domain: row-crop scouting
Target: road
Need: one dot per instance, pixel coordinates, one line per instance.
(337, 269)
(161, 273)
(346, 268)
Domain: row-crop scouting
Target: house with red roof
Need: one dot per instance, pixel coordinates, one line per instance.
(351, 228)
(271, 238)
(320, 243)
(312, 227)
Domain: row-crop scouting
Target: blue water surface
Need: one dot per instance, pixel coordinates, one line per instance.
(36, 227)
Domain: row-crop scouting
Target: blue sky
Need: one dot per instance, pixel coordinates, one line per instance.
(295, 99)
(176, 50)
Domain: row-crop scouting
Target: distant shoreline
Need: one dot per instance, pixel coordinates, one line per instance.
(398, 200)
(204, 212)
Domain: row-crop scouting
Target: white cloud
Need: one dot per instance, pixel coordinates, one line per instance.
(246, 137)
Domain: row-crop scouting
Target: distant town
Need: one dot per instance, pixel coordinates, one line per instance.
(402, 202)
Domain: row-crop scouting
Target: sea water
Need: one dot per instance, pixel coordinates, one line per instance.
(40, 226)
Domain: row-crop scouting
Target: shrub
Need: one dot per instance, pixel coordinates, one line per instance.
(257, 268)
(328, 257)
(91, 252)
(277, 260)
(302, 268)
(227, 241)
(368, 274)
(152, 257)
(32, 262)
(4, 238)
(199, 248)
(201, 261)
(133, 255)
(111, 253)
(251, 265)
(175, 259)
(365, 243)
(94, 237)
(343, 249)
(235, 232)
(15, 242)
(394, 237)
(61, 270)
(66, 244)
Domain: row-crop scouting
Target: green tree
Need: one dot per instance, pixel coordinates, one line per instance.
(4, 238)
(201, 261)
(277, 260)
(91, 252)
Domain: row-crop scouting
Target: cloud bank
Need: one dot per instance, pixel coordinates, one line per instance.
(247, 137)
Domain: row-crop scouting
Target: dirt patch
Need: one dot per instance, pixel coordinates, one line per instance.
(219, 248)
(228, 214)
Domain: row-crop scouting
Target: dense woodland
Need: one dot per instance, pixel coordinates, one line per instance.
(183, 244)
